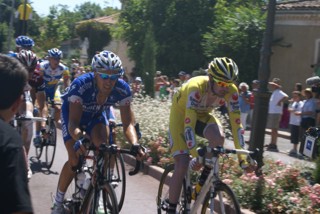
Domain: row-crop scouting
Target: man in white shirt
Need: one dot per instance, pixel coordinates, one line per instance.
(275, 111)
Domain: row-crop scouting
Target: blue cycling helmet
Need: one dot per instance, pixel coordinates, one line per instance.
(24, 42)
(107, 60)
(55, 53)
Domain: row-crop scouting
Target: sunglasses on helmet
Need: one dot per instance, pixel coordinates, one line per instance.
(107, 76)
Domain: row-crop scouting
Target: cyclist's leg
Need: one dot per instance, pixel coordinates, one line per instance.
(43, 112)
(98, 130)
(27, 127)
(67, 173)
(180, 153)
(57, 108)
(212, 131)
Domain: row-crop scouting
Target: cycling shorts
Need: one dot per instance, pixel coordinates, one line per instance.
(85, 124)
(177, 131)
(50, 92)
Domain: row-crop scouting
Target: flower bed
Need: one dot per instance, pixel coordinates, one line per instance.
(280, 189)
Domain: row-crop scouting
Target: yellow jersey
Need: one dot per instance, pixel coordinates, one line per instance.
(195, 102)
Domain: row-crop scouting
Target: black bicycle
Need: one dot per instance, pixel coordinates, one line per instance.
(99, 197)
(48, 137)
(117, 175)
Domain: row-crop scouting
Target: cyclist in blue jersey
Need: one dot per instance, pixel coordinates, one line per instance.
(84, 110)
(51, 71)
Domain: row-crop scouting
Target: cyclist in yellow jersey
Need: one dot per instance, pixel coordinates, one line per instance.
(190, 115)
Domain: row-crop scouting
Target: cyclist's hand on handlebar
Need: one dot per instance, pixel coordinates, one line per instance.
(248, 168)
(194, 164)
(79, 148)
(139, 151)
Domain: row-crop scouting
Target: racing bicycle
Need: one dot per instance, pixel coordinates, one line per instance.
(215, 196)
(99, 197)
(48, 137)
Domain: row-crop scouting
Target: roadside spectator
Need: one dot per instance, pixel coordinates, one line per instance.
(188, 76)
(244, 103)
(285, 117)
(255, 87)
(295, 118)
(15, 195)
(157, 84)
(275, 111)
(137, 86)
(308, 114)
(173, 88)
(164, 92)
(298, 87)
(182, 76)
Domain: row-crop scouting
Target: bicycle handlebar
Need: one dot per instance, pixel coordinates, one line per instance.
(24, 118)
(221, 150)
(114, 149)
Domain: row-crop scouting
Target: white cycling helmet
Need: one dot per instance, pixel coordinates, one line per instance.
(107, 60)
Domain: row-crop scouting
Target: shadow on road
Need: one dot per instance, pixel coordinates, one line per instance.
(40, 167)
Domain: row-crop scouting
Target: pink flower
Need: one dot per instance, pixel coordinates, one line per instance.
(295, 200)
(149, 160)
(227, 181)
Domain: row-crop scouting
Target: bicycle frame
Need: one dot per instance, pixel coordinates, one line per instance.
(209, 184)
(212, 179)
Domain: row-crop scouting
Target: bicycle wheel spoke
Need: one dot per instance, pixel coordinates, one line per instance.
(224, 201)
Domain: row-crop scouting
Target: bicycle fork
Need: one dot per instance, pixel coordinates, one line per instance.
(208, 185)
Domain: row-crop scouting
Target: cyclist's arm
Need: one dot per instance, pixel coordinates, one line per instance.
(190, 120)
(127, 118)
(232, 100)
(66, 77)
(41, 98)
(75, 113)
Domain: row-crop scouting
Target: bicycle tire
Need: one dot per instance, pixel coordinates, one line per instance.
(118, 180)
(229, 205)
(163, 192)
(39, 150)
(51, 144)
(91, 201)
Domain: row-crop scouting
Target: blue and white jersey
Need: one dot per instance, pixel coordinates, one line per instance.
(84, 90)
(52, 76)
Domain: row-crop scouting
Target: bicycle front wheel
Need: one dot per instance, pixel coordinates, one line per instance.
(223, 201)
(51, 144)
(163, 192)
(101, 200)
(117, 178)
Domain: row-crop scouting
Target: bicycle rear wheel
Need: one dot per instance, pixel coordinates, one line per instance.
(117, 178)
(51, 144)
(163, 192)
(223, 201)
(100, 200)
(39, 150)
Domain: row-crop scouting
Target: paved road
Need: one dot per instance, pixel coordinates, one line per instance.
(140, 195)
(141, 189)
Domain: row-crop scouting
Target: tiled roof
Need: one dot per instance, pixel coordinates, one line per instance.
(299, 5)
(112, 19)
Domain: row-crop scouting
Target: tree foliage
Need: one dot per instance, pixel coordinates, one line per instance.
(97, 33)
(237, 33)
(148, 60)
(178, 27)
